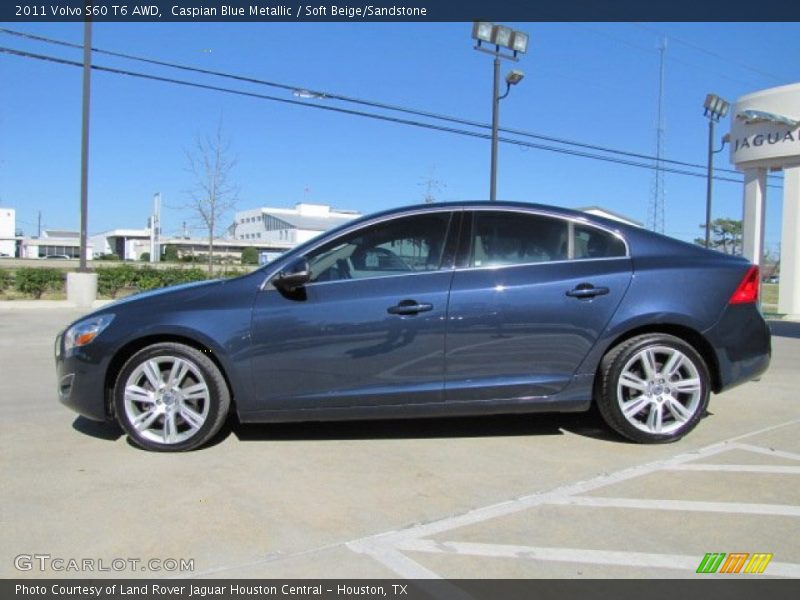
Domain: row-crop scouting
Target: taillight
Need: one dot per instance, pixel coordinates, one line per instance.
(747, 292)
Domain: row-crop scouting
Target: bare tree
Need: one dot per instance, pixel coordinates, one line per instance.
(214, 194)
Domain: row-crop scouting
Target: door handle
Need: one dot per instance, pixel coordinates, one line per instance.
(409, 307)
(586, 290)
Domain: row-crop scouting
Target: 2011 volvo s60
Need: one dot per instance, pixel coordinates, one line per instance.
(444, 309)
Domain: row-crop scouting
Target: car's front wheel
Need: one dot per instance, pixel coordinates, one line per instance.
(653, 388)
(171, 397)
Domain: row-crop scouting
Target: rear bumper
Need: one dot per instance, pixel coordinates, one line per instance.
(743, 345)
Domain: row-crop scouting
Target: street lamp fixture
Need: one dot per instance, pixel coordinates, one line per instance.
(508, 44)
(715, 109)
(500, 35)
(514, 77)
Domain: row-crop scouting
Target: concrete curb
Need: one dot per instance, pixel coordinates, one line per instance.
(11, 305)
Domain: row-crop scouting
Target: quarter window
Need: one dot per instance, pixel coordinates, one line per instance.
(596, 243)
(398, 247)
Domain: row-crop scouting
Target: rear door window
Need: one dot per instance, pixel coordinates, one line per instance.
(513, 238)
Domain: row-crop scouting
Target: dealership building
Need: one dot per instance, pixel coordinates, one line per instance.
(765, 137)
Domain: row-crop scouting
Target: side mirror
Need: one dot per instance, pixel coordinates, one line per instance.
(295, 275)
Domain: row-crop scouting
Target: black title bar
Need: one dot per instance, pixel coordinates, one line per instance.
(741, 588)
(397, 10)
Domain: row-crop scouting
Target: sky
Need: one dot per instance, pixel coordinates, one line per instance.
(592, 83)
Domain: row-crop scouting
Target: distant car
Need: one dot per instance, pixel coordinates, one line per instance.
(429, 311)
(4, 255)
(772, 279)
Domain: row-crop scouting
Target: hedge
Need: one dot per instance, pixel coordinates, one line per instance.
(110, 280)
(36, 282)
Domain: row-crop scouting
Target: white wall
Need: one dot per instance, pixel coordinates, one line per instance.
(8, 225)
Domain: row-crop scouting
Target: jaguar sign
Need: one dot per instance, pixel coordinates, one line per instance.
(765, 128)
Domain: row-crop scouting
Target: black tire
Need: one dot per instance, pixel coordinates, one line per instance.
(670, 405)
(184, 413)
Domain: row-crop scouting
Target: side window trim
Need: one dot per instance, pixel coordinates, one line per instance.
(452, 240)
(465, 240)
(571, 240)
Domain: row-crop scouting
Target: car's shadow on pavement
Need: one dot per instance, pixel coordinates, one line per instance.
(790, 329)
(107, 430)
(587, 424)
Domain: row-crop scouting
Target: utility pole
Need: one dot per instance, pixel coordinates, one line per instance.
(155, 229)
(39, 226)
(432, 186)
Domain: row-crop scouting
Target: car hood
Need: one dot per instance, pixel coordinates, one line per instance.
(176, 292)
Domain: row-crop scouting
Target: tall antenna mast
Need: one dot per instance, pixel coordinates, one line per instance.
(655, 213)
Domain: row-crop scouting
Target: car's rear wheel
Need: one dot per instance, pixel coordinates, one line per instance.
(653, 388)
(171, 397)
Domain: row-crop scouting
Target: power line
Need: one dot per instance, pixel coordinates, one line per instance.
(374, 116)
(364, 102)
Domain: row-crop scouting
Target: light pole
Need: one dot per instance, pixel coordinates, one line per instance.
(87, 74)
(715, 109)
(517, 42)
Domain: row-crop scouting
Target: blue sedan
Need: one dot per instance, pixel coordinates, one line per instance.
(428, 311)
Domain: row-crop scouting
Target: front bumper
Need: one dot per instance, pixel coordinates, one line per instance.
(81, 382)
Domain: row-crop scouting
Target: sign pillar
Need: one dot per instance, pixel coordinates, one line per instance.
(753, 211)
(789, 289)
(765, 136)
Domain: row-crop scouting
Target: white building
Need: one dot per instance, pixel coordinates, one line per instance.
(8, 225)
(128, 244)
(54, 242)
(289, 226)
(599, 211)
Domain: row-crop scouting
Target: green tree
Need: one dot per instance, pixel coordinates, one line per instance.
(170, 253)
(726, 236)
(250, 256)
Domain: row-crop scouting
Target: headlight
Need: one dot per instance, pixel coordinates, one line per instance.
(84, 332)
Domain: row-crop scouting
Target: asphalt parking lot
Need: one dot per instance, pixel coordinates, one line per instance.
(532, 496)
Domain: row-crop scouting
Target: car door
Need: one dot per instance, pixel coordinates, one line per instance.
(369, 327)
(530, 296)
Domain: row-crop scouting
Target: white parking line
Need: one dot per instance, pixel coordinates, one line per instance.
(768, 451)
(776, 469)
(377, 546)
(681, 505)
(578, 555)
